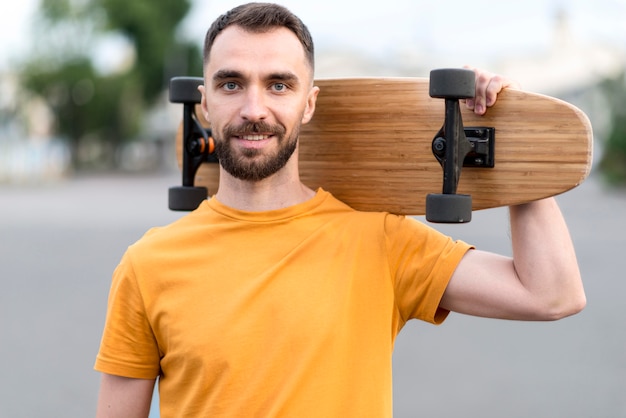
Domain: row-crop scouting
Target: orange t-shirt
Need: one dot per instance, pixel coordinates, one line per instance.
(285, 313)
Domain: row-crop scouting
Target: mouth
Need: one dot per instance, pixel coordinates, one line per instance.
(254, 137)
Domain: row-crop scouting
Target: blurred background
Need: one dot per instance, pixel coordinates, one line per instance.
(87, 155)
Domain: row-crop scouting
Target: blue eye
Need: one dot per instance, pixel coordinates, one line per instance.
(230, 85)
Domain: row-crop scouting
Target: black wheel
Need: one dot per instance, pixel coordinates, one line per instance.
(449, 208)
(452, 83)
(186, 198)
(185, 89)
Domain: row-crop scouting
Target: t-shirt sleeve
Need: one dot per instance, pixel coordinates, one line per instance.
(128, 347)
(422, 261)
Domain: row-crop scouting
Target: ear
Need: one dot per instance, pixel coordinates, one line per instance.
(203, 103)
(311, 100)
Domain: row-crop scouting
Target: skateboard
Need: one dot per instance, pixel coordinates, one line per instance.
(409, 146)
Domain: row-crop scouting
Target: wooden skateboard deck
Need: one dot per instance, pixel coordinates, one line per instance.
(369, 144)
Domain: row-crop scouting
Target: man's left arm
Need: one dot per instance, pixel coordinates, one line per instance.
(542, 280)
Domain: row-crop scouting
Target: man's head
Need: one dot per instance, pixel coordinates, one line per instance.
(258, 18)
(258, 91)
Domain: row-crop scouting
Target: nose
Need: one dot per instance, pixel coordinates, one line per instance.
(254, 107)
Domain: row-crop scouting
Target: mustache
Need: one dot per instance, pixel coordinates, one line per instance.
(253, 128)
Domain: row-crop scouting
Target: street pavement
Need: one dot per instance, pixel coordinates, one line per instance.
(60, 242)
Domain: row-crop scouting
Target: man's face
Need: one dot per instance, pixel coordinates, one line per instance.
(258, 92)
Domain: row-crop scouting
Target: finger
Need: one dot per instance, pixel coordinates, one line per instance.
(470, 103)
(479, 103)
(493, 86)
(484, 91)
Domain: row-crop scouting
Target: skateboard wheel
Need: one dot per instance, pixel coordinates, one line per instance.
(448, 208)
(186, 198)
(452, 83)
(185, 89)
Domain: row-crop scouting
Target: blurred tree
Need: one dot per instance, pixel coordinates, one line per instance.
(104, 107)
(613, 162)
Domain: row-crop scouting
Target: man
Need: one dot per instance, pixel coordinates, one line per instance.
(272, 299)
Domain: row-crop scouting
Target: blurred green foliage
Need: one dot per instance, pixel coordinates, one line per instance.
(613, 161)
(100, 107)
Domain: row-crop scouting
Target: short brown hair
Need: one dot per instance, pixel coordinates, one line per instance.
(258, 18)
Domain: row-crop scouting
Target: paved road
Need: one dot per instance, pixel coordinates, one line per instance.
(59, 244)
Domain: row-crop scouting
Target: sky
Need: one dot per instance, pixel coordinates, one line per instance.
(468, 29)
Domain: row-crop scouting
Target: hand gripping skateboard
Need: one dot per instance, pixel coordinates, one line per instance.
(408, 146)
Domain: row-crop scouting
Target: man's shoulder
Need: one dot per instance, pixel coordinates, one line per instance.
(171, 234)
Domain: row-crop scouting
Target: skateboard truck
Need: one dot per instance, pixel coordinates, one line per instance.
(456, 146)
(198, 145)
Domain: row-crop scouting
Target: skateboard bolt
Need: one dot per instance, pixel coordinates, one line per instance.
(197, 146)
(439, 146)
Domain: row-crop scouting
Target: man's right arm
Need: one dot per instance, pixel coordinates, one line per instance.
(124, 397)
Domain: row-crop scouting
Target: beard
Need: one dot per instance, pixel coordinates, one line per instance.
(252, 164)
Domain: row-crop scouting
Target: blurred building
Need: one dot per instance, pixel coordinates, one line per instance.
(29, 153)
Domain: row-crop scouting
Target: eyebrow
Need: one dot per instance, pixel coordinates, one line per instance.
(226, 74)
(286, 76)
